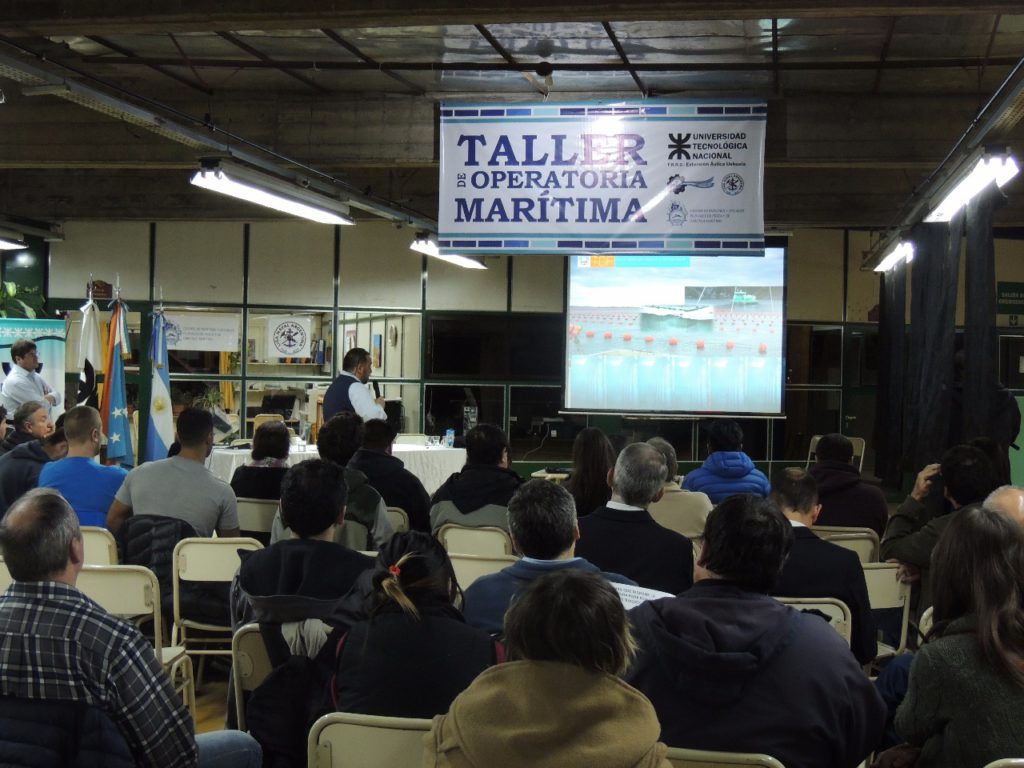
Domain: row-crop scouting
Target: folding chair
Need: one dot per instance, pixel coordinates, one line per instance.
(859, 448)
(100, 547)
(131, 591)
(485, 540)
(1007, 762)
(702, 758)
(469, 568)
(200, 559)
(250, 664)
(5, 576)
(837, 611)
(886, 591)
(398, 518)
(348, 740)
(257, 515)
(263, 418)
(863, 541)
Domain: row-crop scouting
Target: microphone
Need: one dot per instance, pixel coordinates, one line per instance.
(376, 389)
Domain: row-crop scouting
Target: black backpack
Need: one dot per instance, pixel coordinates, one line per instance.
(283, 708)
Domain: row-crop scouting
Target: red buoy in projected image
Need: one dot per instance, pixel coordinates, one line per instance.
(627, 337)
(700, 345)
(590, 334)
(648, 339)
(607, 334)
(762, 348)
(673, 342)
(730, 345)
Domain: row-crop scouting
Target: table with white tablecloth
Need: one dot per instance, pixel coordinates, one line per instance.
(432, 465)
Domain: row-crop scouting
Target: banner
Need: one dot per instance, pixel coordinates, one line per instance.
(49, 336)
(117, 424)
(160, 429)
(203, 331)
(288, 336)
(89, 356)
(656, 176)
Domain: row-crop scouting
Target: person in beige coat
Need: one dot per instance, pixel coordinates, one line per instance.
(559, 703)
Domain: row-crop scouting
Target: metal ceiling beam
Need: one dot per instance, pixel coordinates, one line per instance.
(155, 67)
(199, 78)
(884, 54)
(60, 17)
(473, 66)
(330, 33)
(625, 59)
(512, 64)
(268, 60)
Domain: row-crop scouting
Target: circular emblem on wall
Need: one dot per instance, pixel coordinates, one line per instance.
(732, 183)
(289, 338)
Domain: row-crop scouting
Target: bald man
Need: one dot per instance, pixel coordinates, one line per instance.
(1007, 500)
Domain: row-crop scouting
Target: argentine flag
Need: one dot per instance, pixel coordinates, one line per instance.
(160, 431)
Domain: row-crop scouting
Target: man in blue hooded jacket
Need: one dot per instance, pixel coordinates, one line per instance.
(729, 668)
(727, 470)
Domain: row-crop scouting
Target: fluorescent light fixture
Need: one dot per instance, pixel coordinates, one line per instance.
(271, 192)
(997, 168)
(11, 241)
(902, 251)
(425, 244)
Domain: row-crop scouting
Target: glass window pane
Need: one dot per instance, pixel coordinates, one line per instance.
(274, 333)
(223, 397)
(451, 406)
(1011, 361)
(209, 331)
(860, 355)
(393, 338)
(813, 354)
(288, 398)
(808, 413)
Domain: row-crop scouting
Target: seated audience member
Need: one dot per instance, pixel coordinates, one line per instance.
(181, 486)
(20, 468)
(31, 421)
(366, 521)
(622, 537)
(678, 510)
(592, 457)
(910, 537)
(965, 699)
(727, 470)
(479, 493)
(4, 425)
(729, 668)
(816, 568)
(51, 633)
(414, 653)
(261, 477)
(846, 500)
(542, 523)
(560, 701)
(304, 577)
(1007, 500)
(386, 473)
(88, 486)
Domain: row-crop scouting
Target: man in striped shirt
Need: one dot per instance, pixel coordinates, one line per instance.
(56, 644)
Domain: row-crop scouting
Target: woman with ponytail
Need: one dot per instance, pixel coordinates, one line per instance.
(965, 700)
(414, 653)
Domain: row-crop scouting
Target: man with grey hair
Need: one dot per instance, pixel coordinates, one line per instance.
(1007, 500)
(57, 645)
(623, 537)
(542, 523)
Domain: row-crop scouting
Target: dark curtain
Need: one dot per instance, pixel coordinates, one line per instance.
(932, 333)
(889, 406)
(980, 363)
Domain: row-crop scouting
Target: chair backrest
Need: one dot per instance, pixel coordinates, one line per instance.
(124, 590)
(863, 541)
(398, 518)
(886, 591)
(5, 576)
(859, 447)
(250, 664)
(469, 568)
(1007, 762)
(837, 611)
(927, 620)
(444, 512)
(411, 438)
(701, 758)
(348, 740)
(263, 418)
(257, 514)
(99, 544)
(201, 559)
(485, 540)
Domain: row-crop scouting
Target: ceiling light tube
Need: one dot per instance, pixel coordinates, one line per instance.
(278, 194)
(12, 241)
(997, 168)
(902, 251)
(425, 244)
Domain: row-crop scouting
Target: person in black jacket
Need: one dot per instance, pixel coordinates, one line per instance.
(20, 467)
(846, 500)
(415, 653)
(816, 568)
(261, 478)
(386, 473)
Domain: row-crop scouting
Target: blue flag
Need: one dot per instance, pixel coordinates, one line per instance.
(116, 420)
(160, 431)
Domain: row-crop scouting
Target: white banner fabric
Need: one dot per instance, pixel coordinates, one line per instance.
(203, 331)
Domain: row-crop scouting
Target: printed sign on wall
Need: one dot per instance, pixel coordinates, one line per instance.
(288, 336)
(203, 331)
(657, 176)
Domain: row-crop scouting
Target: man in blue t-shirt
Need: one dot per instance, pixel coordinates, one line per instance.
(89, 487)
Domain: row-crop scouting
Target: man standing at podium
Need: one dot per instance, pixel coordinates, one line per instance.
(348, 392)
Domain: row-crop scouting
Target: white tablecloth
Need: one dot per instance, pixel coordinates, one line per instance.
(431, 465)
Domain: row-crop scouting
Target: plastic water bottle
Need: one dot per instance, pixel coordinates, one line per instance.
(449, 438)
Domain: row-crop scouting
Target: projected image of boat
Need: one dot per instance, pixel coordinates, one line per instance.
(742, 297)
